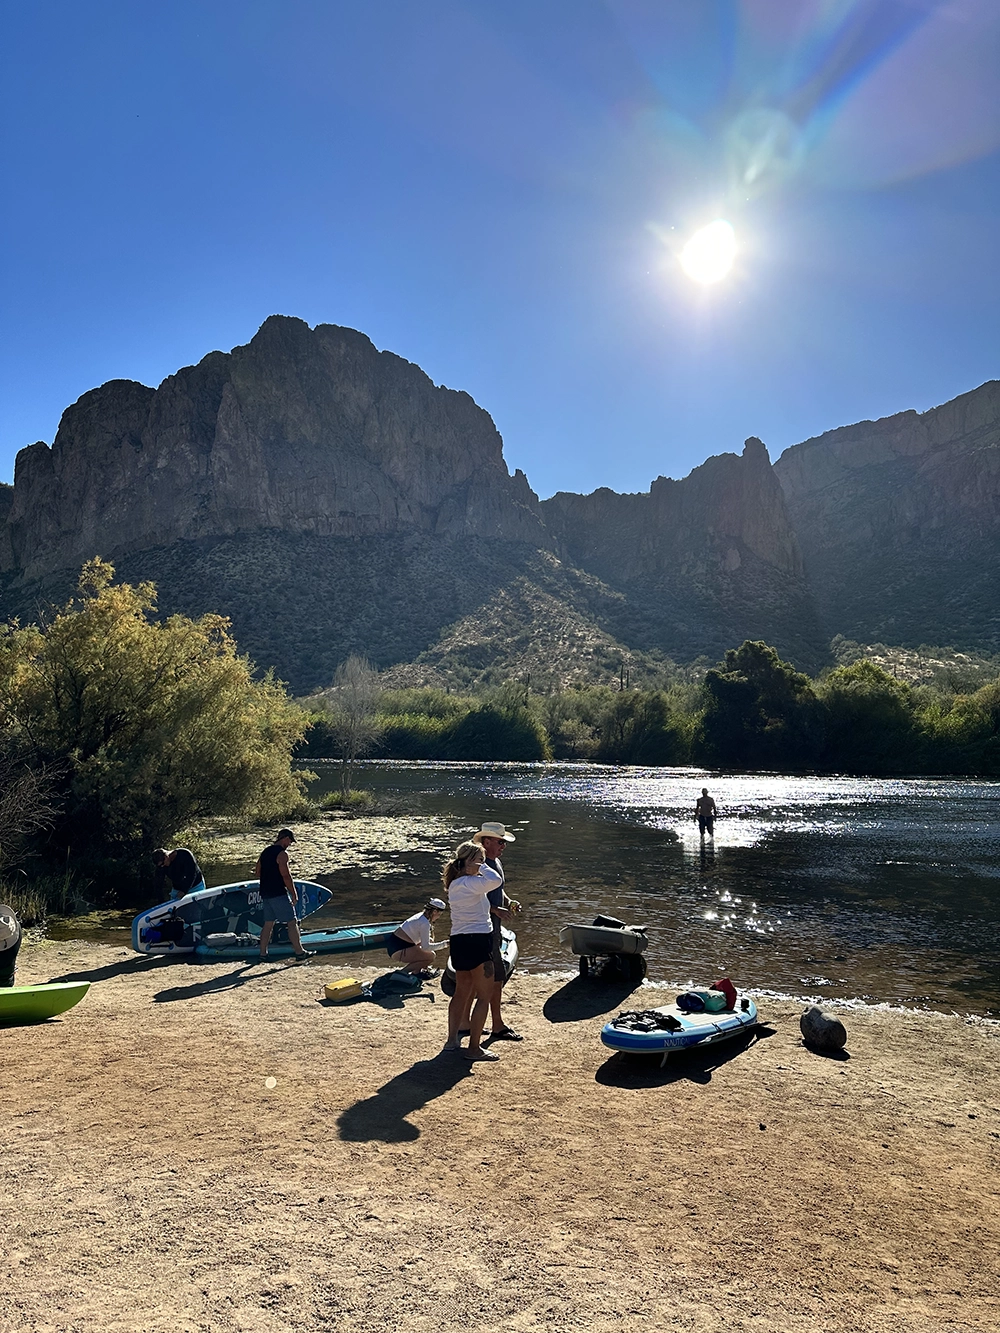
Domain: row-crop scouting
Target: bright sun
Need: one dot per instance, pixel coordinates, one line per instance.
(708, 255)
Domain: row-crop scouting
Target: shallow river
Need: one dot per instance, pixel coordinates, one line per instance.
(884, 891)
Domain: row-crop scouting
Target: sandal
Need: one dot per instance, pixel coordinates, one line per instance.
(506, 1034)
(479, 1055)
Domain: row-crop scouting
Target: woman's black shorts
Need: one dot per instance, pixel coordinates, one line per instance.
(468, 951)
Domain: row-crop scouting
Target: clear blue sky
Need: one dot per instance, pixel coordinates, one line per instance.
(497, 190)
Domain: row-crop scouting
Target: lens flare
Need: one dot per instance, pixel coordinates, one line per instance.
(709, 254)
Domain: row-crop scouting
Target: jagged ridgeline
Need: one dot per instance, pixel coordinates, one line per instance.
(331, 499)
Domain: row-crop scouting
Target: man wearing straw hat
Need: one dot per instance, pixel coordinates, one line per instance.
(493, 838)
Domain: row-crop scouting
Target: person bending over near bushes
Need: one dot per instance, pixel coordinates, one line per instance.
(180, 867)
(467, 882)
(410, 945)
(278, 895)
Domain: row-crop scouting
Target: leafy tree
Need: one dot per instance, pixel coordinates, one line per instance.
(759, 712)
(641, 727)
(503, 727)
(147, 724)
(871, 721)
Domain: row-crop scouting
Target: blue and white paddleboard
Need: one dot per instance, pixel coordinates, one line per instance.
(179, 927)
(694, 1030)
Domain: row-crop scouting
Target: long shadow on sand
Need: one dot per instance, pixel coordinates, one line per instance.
(586, 997)
(383, 1117)
(693, 1066)
(227, 981)
(133, 966)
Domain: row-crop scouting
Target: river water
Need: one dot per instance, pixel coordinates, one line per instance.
(884, 891)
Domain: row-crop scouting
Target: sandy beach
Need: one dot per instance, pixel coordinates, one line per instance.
(153, 1181)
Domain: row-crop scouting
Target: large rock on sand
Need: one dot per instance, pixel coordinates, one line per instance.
(822, 1031)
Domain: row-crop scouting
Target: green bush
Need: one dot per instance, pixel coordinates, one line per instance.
(759, 713)
(492, 733)
(355, 802)
(148, 724)
(871, 722)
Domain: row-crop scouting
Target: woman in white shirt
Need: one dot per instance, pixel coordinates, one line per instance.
(410, 945)
(467, 881)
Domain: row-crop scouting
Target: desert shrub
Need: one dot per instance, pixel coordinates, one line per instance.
(355, 802)
(148, 724)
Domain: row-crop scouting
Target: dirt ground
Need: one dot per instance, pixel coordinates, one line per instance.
(151, 1180)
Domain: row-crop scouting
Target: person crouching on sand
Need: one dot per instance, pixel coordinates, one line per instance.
(411, 945)
(467, 882)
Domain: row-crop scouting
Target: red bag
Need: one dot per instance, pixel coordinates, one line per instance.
(728, 990)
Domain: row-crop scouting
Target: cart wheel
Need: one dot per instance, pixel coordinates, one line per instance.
(584, 965)
(635, 967)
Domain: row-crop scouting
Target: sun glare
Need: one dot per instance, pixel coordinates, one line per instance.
(708, 255)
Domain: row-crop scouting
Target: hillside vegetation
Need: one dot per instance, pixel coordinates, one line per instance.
(750, 711)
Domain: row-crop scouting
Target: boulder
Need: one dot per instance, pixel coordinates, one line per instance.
(822, 1031)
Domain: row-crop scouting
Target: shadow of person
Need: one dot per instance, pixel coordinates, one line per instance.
(382, 1118)
(228, 981)
(138, 962)
(695, 1065)
(586, 997)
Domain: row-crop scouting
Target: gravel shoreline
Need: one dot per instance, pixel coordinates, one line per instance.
(155, 1180)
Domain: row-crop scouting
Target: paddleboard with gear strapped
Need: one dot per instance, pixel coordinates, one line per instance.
(669, 1028)
(228, 909)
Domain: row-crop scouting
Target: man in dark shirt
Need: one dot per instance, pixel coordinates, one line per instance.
(180, 867)
(278, 894)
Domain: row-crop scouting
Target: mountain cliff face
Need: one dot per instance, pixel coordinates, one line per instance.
(705, 562)
(898, 521)
(330, 499)
(302, 430)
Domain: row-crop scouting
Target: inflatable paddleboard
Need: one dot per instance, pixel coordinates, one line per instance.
(33, 1004)
(348, 939)
(179, 927)
(642, 1035)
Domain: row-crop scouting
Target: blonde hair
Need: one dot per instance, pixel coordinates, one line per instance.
(456, 866)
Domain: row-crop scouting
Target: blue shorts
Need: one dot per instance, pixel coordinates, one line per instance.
(278, 908)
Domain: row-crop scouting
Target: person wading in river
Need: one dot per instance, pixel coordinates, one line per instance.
(705, 812)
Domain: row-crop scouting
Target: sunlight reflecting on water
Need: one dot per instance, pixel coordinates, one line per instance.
(881, 890)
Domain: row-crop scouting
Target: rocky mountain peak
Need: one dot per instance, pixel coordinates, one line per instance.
(301, 430)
